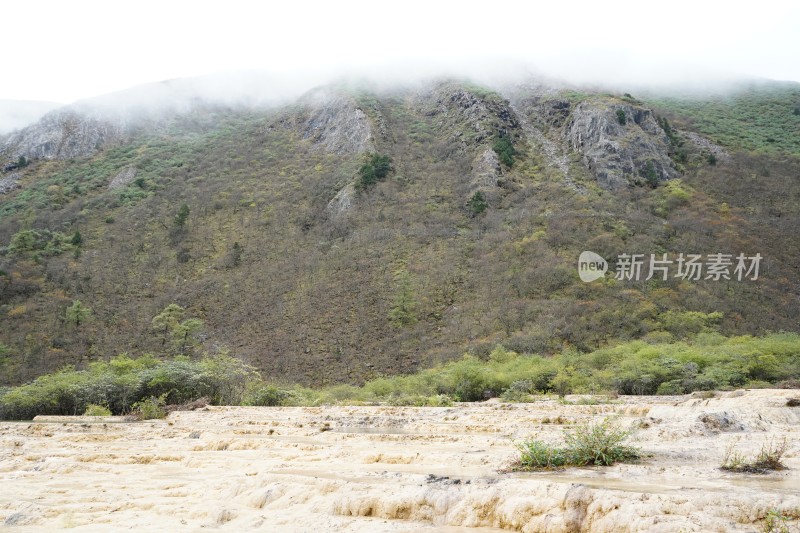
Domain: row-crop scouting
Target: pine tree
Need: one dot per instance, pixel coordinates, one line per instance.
(183, 214)
(404, 309)
(77, 313)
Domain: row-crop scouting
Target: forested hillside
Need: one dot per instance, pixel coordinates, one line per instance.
(358, 233)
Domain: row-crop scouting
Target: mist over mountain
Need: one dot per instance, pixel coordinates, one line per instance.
(262, 88)
(16, 114)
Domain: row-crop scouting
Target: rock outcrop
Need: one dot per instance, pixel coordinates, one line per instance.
(343, 200)
(473, 119)
(333, 121)
(63, 134)
(619, 154)
(124, 177)
(9, 183)
(705, 145)
(487, 173)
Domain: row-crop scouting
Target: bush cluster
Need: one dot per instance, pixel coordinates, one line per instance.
(374, 169)
(704, 361)
(595, 443)
(707, 361)
(124, 384)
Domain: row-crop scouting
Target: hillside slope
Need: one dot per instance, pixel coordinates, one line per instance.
(298, 267)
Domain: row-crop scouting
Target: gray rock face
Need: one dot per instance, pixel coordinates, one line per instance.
(619, 154)
(343, 200)
(9, 183)
(486, 170)
(702, 143)
(333, 121)
(63, 134)
(124, 177)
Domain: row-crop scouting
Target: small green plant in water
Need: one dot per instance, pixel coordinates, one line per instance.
(595, 443)
(767, 460)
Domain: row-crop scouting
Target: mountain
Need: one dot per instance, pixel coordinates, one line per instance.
(357, 231)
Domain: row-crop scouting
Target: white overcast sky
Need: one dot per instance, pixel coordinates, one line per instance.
(66, 50)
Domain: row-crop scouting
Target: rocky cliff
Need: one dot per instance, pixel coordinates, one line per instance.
(63, 134)
(332, 120)
(621, 143)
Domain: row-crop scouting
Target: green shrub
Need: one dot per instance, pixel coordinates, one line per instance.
(535, 454)
(518, 392)
(123, 381)
(671, 388)
(437, 400)
(77, 313)
(181, 216)
(39, 243)
(375, 168)
(268, 396)
(621, 117)
(471, 384)
(599, 443)
(338, 394)
(151, 408)
(96, 410)
(505, 150)
(595, 443)
(775, 521)
(703, 361)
